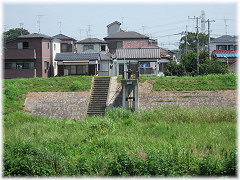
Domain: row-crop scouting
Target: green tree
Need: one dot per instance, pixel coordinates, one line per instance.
(12, 34)
(213, 66)
(174, 69)
(189, 62)
(192, 42)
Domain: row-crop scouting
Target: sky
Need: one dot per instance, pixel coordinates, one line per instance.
(158, 20)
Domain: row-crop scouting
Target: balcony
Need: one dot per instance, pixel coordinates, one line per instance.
(14, 53)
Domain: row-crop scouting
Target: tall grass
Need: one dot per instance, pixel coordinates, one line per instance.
(164, 142)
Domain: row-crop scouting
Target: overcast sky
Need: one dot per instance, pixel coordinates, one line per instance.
(157, 20)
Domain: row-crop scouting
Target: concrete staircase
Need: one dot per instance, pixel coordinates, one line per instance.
(98, 99)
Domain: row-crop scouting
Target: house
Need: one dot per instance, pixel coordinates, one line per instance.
(68, 44)
(93, 45)
(147, 61)
(28, 56)
(88, 63)
(118, 38)
(56, 48)
(225, 49)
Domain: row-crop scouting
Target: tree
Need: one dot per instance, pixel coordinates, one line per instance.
(192, 42)
(174, 69)
(189, 62)
(14, 33)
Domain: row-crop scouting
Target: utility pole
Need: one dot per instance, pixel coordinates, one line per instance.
(208, 21)
(197, 43)
(186, 34)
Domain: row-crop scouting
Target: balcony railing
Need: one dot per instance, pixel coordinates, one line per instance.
(14, 53)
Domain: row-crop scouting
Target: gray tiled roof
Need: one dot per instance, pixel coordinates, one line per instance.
(126, 35)
(76, 56)
(91, 40)
(63, 37)
(137, 53)
(36, 35)
(224, 38)
(115, 22)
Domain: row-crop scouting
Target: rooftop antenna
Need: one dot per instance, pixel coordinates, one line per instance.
(89, 30)
(39, 27)
(225, 22)
(143, 27)
(80, 31)
(122, 18)
(60, 26)
(21, 28)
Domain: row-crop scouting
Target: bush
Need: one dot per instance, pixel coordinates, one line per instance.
(174, 69)
(213, 66)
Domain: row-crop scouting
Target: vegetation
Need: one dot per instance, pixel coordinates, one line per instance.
(12, 34)
(188, 65)
(15, 89)
(167, 141)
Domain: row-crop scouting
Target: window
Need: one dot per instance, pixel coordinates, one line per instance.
(25, 45)
(64, 48)
(98, 67)
(236, 47)
(87, 47)
(82, 69)
(20, 45)
(230, 47)
(103, 48)
(119, 44)
(221, 47)
(46, 65)
(8, 65)
(54, 47)
(48, 45)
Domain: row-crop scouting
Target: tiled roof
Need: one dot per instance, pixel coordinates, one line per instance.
(63, 37)
(115, 22)
(36, 35)
(227, 53)
(91, 40)
(224, 38)
(139, 53)
(126, 35)
(76, 56)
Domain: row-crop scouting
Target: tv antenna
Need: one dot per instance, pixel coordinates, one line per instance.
(21, 28)
(89, 30)
(60, 26)
(39, 22)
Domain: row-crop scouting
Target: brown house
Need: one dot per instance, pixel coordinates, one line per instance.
(28, 56)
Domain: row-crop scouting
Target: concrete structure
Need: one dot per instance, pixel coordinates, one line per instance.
(130, 94)
(28, 56)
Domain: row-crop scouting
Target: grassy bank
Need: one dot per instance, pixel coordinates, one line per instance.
(15, 89)
(189, 83)
(168, 141)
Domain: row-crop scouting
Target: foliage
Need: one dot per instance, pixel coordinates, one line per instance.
(189, 62)
(192, 42)
(167, 141)
(213, 66)
(174, 69)
(12, 34)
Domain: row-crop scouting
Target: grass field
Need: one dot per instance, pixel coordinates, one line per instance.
(168, 141)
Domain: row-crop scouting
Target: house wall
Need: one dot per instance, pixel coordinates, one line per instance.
(213, 46)
(106, 68)
(70, 46)
(138, 44)
(96, 47)
(19, 73)
(54, 52)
